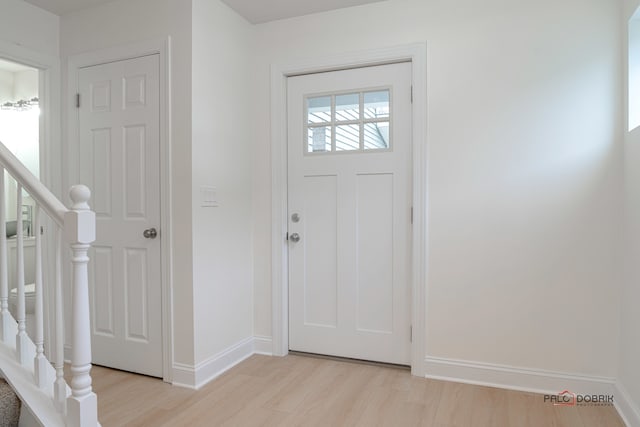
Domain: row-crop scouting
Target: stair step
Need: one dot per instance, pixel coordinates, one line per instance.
(9, 406)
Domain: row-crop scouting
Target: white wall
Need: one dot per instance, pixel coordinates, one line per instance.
(524, 173)
(524, 166)
(223, 118)
(20, 85)
(131, 21)
(212, 250)
(28, 26)
(25, 84)
(629, 372)
(6, 86)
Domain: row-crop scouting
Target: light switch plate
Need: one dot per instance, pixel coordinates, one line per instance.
(208, 197)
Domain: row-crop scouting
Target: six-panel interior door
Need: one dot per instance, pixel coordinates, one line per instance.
(119, 134)
(349, 192)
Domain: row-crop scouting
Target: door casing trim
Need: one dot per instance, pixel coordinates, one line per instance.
(416, 54)
(162, 47)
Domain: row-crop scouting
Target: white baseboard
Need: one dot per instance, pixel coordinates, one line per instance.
(184, 375)
(262, 345)
(627, 408)
(204, 372)
(196, 376)
(513, 378)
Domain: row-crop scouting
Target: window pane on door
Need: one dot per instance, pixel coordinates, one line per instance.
(348, 107)
(376, 104)
(319, 139)
(356, 121)
(319, 110)
(376, 136)
(347, 137)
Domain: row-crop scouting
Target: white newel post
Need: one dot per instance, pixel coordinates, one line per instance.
(5, 316)
(80, 232)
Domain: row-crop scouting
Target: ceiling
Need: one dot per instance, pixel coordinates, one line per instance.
(62, 7)
(261, 11)
(254, 11)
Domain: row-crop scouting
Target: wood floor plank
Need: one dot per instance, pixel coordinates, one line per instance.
(302, 384)
(306, 391)
(596, 416)
(489, 407)
(567, 416)
(338, 400)
(455, 405)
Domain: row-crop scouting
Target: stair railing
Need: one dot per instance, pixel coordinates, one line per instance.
(75, 227)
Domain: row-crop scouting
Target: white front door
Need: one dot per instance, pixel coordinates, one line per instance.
(349, 184)
(119, 134)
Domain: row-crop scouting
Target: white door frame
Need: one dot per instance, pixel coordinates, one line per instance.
(161, 47)
(50, 158)
(417, 55)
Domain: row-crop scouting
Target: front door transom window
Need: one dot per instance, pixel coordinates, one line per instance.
(347, 122)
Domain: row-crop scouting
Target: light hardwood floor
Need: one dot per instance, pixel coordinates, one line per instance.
(299, 390)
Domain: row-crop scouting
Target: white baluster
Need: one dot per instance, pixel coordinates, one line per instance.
(60, 385)
(80, 231)
(39, 362)
(22, 339)
(5, 317)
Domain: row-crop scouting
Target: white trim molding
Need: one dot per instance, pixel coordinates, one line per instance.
(515, 378)
(194, 377)
(162, 47)
(262, 345)
(627, 408)
(417, 55)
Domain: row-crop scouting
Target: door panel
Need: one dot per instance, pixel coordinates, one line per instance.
(320, 244)
(120, 161)
(374, 302)
(102, 280)
(136, 290)
(349, 163)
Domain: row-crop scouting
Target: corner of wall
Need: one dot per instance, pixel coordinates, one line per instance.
(628, 410)
(197, 376)
(627, 393)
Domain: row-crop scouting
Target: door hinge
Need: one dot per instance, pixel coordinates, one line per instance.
(77, 100)
(411, 333)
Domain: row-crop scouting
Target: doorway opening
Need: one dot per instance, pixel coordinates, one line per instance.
(349, 196)
(416, 54)
(20, 133)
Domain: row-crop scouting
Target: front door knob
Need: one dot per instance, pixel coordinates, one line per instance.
(150, 233)
(295, 237)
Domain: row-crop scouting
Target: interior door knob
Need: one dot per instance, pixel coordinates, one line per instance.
(150, 233)
(295, 237)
